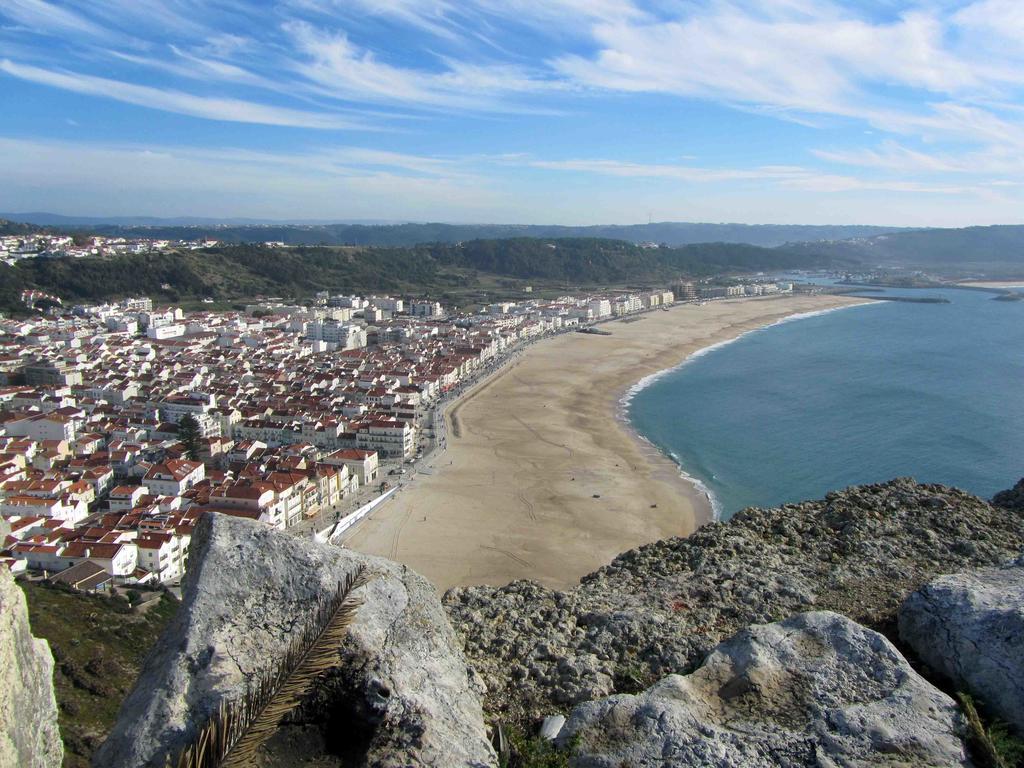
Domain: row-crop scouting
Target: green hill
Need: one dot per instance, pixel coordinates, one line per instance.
(673, 233)
(242, 271)
(994, 250)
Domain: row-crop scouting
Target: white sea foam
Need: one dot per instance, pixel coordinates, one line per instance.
(646, 381)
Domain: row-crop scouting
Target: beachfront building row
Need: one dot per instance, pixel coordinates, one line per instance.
(297, 407)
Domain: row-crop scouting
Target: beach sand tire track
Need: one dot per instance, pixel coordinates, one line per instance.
(531, 508)
(540, 437)
(398, 533)
(514, 558)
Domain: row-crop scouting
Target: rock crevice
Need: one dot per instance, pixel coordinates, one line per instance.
(402, 694)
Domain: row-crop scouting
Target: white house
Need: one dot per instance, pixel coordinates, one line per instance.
(390, 438)
(117, 559)
(362, 463)
(173, 477)
(159, 553)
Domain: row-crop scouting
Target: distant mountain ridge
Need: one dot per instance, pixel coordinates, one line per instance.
(44, 218)
(410, 233)
(996, 250)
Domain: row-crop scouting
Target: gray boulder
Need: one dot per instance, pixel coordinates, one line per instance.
(969, 627)
(814, 690)
(662, 608)
(29, 737)
(403, 694)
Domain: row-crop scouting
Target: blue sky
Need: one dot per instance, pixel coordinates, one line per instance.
(561, 111)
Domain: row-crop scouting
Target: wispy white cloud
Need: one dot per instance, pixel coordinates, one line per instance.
(986, 165)
(170, 180)
(791, 177)
(342, 69)
(184, 63)
(357, 182)
(939, 83)
(433, 16)
(923, 72)
(42, 16)
(213, 108)
(454, 19)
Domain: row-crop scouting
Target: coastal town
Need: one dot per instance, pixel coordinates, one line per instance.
(45, 245)
(122, 423)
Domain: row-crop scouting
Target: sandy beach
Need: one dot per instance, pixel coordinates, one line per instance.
(993, 283)
(541, 480)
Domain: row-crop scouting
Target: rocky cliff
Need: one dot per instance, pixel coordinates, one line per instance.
(1011, 498)
(402, 694)
(28, 710)
(757, 642)
(662, 608)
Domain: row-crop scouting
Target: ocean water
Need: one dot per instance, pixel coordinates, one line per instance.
(859, 395)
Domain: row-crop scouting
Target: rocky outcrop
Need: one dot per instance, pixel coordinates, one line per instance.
(814, 690)
(401, 696)
(662, 608)
(29, 737)
(969, 628)
(1011, 498)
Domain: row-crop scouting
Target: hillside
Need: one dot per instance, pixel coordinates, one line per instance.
(314, 233)
(8, 227)
(401, 686)
(663, 607)
(98, 644)
(234, 272)
(995, 251)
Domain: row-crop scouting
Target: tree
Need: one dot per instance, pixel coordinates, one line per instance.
(188, 434)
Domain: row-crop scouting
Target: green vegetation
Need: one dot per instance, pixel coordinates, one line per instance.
(996, 250)
(991, 741)
(389, 235)
(98, 644)
(534, 752)
(460, 274)
(14, 228)
(633, 677)
(189, 436)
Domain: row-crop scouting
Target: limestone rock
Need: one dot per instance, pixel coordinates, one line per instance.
(814, 690)
(402, 695)
(661, 608)
(969, 627)
(29, 737)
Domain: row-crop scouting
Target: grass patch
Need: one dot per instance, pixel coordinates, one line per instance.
(990, 740)
(98, 646)
(534, 752)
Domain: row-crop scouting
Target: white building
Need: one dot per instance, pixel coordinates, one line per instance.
(163, 555)
(345, 335)
(363, 464)
(162, 332)
(426, 309)
(173, 477)
(391, 438)
(600, 308)
(388, 304)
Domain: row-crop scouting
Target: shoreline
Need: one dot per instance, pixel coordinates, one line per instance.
(548, 480)
(997, 284)
(626, 399)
